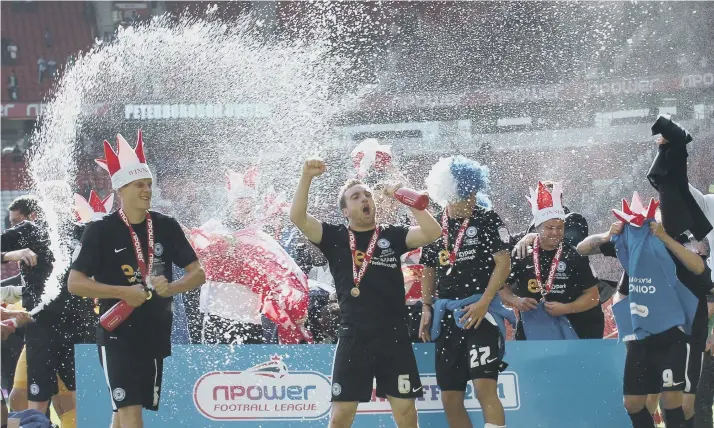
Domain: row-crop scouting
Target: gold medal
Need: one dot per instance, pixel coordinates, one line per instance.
(354, 292)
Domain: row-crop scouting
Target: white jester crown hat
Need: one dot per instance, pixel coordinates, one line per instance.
(369, 153)
(636, 213)
(94, 208)
(546, 205)
(126, 164)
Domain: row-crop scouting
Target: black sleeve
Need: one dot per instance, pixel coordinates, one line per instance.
(86, 258)
(496, 233)
(182, 252)
(398, 236)
(329, 237)
(576, 229)
(10, 239)
(700, 284)
(430, 254)
(515, 271)
(608, 249)
(584, 272)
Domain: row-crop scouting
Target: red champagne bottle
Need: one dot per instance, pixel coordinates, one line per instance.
(412, 198)
(116, 315)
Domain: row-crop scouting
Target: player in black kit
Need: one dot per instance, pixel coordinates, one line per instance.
(46, 366)
(469, 265)
(121, 256)
(563, 278)
(373, 335)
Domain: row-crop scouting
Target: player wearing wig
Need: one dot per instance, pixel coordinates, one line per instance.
(463, 272)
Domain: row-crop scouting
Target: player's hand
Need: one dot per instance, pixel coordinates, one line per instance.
(26, 256)
(425, 324)
(520, 251)
(475, 313)
(616, 228)
(135, 295)
(525, 304)
(556, 309)
(314, 167)
(161, 286)
(657, 230)
(21, 317)
(710, 344)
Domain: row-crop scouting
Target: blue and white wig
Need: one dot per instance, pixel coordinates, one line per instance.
(455, 178)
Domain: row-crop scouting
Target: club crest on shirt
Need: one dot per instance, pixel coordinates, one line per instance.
(383, 243)
(158, 249)
(562, 266)
(471, 231)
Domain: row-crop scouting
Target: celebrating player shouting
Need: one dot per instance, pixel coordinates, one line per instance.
(364, 261)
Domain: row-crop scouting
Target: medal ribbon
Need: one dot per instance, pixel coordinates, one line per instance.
(459, 236)
(553, 266)
(145, 272)
(357, 275)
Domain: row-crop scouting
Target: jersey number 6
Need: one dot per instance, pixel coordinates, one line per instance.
(403, 384)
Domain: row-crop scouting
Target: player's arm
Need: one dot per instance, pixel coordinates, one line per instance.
(588, 300)
(501, 270)
(428, 285)
(691, 260)
(193, 277)
(427, 231)
(590, 246)
(308, 225)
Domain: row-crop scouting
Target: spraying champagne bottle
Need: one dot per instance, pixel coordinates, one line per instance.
(412, 198)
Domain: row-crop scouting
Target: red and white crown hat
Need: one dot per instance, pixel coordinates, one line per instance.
(546, 205)
(94, 209)
(636, 213)
(369, 153)
(126, 164)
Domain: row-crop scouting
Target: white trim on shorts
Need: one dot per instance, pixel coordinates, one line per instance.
(103, 352)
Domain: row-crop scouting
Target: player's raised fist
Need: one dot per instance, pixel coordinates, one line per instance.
(314, 167)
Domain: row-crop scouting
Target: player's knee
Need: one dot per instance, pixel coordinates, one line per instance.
(342, 416)
(688, 405)
(634, 403)
(671, 399)
(486, 390)
(18, 399)
(405, 416)
(452, 399)
(130, 417)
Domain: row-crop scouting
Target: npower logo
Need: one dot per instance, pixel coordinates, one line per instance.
(267, 391)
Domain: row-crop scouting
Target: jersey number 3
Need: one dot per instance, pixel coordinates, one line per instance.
(483, 352)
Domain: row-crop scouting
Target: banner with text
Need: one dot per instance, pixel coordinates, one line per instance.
(552, 384)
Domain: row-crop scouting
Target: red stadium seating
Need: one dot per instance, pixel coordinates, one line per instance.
(70, 34)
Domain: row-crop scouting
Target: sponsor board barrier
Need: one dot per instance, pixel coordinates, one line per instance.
(548, 384)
